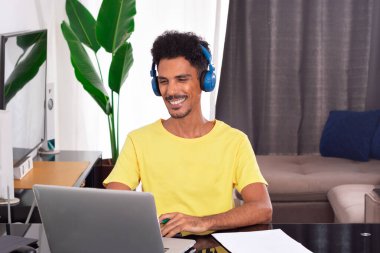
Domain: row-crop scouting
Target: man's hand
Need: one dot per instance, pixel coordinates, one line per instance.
(257, 209)
(179, 222)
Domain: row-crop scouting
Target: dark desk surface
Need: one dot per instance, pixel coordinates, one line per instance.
(334, 238)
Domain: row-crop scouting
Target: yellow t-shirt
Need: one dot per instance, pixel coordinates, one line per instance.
(192, 176)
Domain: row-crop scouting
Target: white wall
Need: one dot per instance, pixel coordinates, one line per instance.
(23, 15)
(79, 122)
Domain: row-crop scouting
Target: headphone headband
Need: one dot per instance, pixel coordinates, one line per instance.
(206, 54)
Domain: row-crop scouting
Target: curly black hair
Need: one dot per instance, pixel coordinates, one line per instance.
(172, 44)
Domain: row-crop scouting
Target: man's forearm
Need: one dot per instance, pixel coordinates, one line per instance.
(248, 214)
(257, 208)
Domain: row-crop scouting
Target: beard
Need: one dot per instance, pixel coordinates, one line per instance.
(179, 115)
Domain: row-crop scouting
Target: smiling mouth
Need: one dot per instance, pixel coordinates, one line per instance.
(176, 100)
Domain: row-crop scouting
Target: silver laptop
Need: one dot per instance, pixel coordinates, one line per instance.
(97, 220)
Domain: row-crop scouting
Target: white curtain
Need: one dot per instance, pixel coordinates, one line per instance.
(79, 122)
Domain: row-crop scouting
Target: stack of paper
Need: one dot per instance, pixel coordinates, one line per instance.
(271, 241)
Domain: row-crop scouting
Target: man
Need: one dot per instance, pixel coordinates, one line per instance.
(191, 165)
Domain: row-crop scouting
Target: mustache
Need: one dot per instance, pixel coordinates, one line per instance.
(168, 98)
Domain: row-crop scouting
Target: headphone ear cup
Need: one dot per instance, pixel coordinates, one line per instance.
(209, 80)
(154, 82)
(155, 88)
(202, 79)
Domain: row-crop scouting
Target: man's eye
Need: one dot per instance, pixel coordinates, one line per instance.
(160, 81)
(183, 79)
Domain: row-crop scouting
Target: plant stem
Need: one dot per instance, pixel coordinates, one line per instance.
(118, 123)
(115, 146)
(111, 122)
(112, 137)
(100, 71)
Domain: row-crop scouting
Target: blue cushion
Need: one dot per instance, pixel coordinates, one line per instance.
(375, 148)
(348, 134)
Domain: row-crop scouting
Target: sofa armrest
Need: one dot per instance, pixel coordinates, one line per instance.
(372, 207)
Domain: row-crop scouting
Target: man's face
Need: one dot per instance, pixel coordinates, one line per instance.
(179, 86)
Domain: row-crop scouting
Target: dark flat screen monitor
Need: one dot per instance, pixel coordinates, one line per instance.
(23, 89)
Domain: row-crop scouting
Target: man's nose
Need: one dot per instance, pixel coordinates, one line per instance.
(172, 87)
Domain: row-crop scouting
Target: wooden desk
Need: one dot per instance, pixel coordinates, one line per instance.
(52, 173)
(67, 168)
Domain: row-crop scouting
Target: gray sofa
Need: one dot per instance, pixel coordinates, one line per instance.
(299, 186)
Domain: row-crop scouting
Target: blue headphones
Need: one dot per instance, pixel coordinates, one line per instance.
(207, 77)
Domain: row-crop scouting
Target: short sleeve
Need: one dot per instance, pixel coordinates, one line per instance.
(126, 170)
(247, 170)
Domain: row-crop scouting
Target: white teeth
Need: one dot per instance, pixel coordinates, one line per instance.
(176, 102)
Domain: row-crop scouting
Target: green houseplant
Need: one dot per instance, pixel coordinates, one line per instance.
(110, 31)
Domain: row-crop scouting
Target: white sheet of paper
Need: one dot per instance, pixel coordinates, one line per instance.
(271, 241)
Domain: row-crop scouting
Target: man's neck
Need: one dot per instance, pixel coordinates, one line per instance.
(188, 127)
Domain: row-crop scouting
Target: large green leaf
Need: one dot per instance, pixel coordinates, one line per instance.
(25, 70)
(25, 41)
(82, 23)
(121, 63)
(28, 40)
(84, 70)
(115, 23)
